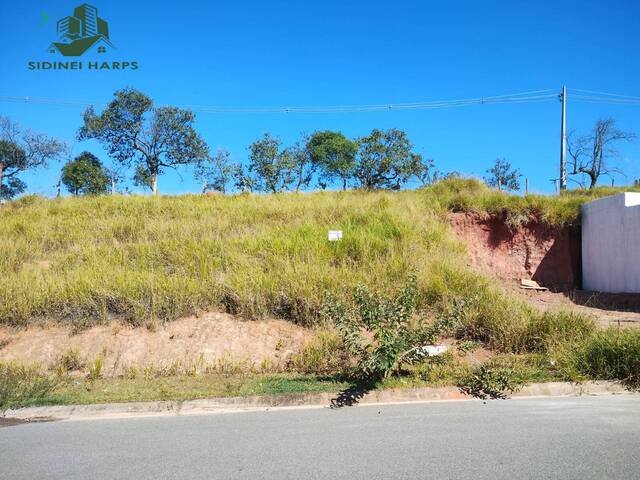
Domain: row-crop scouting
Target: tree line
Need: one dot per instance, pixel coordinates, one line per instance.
(138, 135)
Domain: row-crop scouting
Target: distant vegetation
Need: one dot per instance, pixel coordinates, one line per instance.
(147, 140)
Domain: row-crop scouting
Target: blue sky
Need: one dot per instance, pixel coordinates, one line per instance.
(332, 53)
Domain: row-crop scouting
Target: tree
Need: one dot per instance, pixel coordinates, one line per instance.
(241, 179)
(503, 176)
(155, 138)
(428, 174)
(270, 168)
(85, 175)
(215, 172)
(114, 174)
(591, 154)
(301, 164)
(21, 151)
(334, 154)
(385, 160)
(142, 177)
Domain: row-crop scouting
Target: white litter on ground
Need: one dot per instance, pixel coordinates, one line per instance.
(433, 350)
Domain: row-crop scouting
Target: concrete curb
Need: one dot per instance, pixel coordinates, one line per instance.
(302, 400)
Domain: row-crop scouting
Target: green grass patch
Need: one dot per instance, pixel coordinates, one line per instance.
(184, 387)
(470, 195)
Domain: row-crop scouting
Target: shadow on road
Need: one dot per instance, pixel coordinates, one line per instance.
(353, 394)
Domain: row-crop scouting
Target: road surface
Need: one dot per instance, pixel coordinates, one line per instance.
(581, 438)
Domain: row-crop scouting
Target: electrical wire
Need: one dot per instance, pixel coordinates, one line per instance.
(535, 96)
(523, 97)
(579, 91)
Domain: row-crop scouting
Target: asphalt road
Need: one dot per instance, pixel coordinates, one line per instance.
(582, 438)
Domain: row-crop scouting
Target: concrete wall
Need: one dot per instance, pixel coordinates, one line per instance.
(611, 244)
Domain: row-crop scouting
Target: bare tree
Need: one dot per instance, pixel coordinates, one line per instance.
(592, 154)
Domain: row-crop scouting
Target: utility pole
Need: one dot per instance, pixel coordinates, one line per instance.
(563, 140)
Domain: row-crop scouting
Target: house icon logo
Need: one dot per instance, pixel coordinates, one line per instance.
(82, 32)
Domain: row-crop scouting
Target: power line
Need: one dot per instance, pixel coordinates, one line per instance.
(579, 91)
(603, 100)
(523, 97)
(577, 95)
(591, 96)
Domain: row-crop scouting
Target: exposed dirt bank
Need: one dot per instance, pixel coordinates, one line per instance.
(549, 255)
(214, 342)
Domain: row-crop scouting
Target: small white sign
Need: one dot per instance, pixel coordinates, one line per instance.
(335, 235)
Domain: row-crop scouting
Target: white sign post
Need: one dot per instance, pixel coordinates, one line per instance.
(335, 235)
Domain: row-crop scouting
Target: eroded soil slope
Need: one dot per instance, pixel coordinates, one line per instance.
(549, 255)
(214, 342)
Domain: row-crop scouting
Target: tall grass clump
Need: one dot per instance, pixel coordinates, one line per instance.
(22, 385)
(611, 354)
(324, 353)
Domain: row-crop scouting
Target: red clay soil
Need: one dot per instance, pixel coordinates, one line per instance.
(549, 255)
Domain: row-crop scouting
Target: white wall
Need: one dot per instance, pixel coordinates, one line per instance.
(611, 244)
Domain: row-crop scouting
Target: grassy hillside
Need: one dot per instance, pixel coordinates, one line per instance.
(146, 260)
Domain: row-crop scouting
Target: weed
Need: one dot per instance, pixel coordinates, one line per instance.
(382, 333)
(606, 355)
(441, 370)
(505, 374)
(466, 346)
(69, 361)
(95, 369)
(488, 381)
(22, 385)
(324, 353)
(266, 365)
(4, 342)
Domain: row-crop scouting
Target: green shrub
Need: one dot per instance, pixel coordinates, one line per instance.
(22, 385)
(492, 381)
(382, 333)
(505, 374)
(466, 346)
(441, 370)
